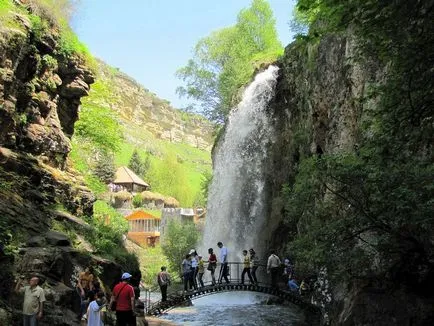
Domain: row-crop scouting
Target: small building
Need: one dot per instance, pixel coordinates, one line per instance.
(183, 215)
(126, 179)
(143, 228)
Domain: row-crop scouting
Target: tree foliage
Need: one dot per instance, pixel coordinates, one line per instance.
(137, 165)
(97, 125)
(105, 168)
(225, 60)
(179, 239)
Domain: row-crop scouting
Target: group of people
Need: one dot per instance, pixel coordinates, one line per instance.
(193, 267)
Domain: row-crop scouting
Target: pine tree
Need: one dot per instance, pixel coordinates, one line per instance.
(105, 168)
(137, 165)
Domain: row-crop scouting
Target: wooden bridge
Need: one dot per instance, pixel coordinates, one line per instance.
(176, 299)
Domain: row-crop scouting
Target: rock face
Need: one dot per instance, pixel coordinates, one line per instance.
(40, 93)
(317, 111)
(137, 106)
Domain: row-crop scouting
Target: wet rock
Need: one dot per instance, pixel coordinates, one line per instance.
(57, 239)
(36, 241)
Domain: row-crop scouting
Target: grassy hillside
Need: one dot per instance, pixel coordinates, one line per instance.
(120, 116)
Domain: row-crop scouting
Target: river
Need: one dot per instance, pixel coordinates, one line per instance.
(235, 308)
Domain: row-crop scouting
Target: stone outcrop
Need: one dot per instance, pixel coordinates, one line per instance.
(317, 110)
(40, 92)
(140, 108)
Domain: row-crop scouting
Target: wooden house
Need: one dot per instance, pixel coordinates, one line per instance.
(126, 179)
(143, 228)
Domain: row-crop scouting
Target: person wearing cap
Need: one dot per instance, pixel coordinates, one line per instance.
(123, 294)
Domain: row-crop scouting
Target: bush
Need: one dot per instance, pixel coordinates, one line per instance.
(137, 201)
(179, 238)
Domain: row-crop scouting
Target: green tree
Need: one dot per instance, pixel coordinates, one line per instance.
(137, 165)
(179, 238)
(105, 168)
(226, 60)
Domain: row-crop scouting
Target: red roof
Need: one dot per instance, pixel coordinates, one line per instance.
(140, 215)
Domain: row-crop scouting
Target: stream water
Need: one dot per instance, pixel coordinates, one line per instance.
(235, 308)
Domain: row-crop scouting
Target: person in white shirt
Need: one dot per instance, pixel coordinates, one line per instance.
(194, 264)
(224, 268)
(273, 266)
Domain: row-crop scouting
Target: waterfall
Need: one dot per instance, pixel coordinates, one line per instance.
(236, 200)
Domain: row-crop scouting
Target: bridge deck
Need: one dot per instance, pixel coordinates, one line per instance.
(177, 299)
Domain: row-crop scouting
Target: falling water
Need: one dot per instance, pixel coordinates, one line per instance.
(236, 210)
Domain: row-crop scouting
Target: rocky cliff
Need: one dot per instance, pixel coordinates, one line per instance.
(142, 112)
(322, 109)
(40, 92)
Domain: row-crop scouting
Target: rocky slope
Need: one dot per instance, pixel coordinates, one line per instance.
(40, 92)
(142, 110)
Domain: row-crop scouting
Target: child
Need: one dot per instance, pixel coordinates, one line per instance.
(200, 270)
(94, 311)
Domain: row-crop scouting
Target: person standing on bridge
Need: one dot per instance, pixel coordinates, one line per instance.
(273, 266)
(212, 264)
(200, 271)
(186, 271)
(246, 269)
(254, 263)
(224, 268)
(163, 279)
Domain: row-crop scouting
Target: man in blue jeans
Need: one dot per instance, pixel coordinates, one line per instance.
(34, 299)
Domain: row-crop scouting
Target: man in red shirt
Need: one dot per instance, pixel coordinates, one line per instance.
(123, 294)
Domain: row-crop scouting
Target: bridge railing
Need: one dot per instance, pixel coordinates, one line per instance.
(235, 272)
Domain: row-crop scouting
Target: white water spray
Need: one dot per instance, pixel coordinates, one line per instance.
(236, 201)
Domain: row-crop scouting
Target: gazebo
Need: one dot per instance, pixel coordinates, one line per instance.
(125, 178)
(144, 228)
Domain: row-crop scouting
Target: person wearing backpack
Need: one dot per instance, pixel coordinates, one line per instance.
(163, 279)
(123, 297)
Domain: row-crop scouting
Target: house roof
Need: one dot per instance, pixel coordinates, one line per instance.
(125, 175)
(140, 215)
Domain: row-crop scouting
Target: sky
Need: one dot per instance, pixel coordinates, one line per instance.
(150, 39)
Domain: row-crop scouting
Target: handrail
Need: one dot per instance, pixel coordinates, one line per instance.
(234, 276)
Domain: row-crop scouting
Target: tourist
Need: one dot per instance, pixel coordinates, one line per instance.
(288, 269)
(200, 270)
(304, 288)
(224, 268)
(194, 263)
(123, 295)
(212, 264)
(95, 310)
(273, 266)
(254, 263)
(292, 285)
(84, 285)
(34, 298)
(246, 269)
(186, 270)
(163, 279)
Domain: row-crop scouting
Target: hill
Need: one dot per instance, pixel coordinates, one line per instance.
(175, 143)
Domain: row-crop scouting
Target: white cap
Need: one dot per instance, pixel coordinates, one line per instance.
(126, 276)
